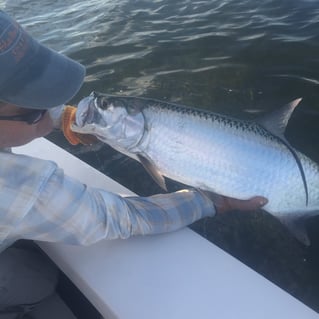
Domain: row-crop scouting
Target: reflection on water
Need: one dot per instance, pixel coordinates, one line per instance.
(250, 52)
(238, 57)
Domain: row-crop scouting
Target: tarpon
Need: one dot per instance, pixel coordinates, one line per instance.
(210, 151)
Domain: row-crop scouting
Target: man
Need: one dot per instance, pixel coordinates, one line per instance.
(37, 201)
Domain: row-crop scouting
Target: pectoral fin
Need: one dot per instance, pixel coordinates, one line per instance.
(153, 171)
(297, 227)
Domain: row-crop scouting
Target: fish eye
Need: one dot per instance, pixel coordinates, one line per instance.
(102, 102)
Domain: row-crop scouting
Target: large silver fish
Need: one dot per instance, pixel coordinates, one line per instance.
(210, 151)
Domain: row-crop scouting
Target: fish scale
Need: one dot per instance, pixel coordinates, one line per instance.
(221, 157)
(210, 151)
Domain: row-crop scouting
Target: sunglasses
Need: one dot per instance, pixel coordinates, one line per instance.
(30, 118)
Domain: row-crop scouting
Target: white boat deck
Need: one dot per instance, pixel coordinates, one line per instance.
(172, 276)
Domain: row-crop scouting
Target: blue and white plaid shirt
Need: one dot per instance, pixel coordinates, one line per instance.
(39, 202)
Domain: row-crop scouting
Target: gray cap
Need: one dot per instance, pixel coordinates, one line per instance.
(32, 75)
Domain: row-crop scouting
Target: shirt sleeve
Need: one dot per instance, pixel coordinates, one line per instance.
(68, 211)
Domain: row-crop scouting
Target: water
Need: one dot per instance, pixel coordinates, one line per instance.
(238, 57)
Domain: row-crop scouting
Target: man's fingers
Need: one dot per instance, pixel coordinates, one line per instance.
(225, 204)
(251, 204)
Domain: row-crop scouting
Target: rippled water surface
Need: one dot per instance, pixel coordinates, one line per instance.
(238, 57)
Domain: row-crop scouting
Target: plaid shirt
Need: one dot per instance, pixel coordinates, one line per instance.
(39, 202)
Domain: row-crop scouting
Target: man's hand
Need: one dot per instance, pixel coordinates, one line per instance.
(67, 119)
(225, 204)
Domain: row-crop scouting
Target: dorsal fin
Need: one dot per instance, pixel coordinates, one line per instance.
(276, 123)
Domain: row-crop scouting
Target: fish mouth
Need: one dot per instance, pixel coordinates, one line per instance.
(85, 112)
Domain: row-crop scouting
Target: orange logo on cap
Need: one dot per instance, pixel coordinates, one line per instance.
(21, 47)
(14, 34)
(8, 38)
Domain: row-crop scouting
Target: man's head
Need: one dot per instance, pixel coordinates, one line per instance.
(33, 79)
(31, 75)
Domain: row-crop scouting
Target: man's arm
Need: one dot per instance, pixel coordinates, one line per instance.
(68, 211)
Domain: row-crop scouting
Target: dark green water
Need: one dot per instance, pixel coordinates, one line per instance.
(238, 57)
